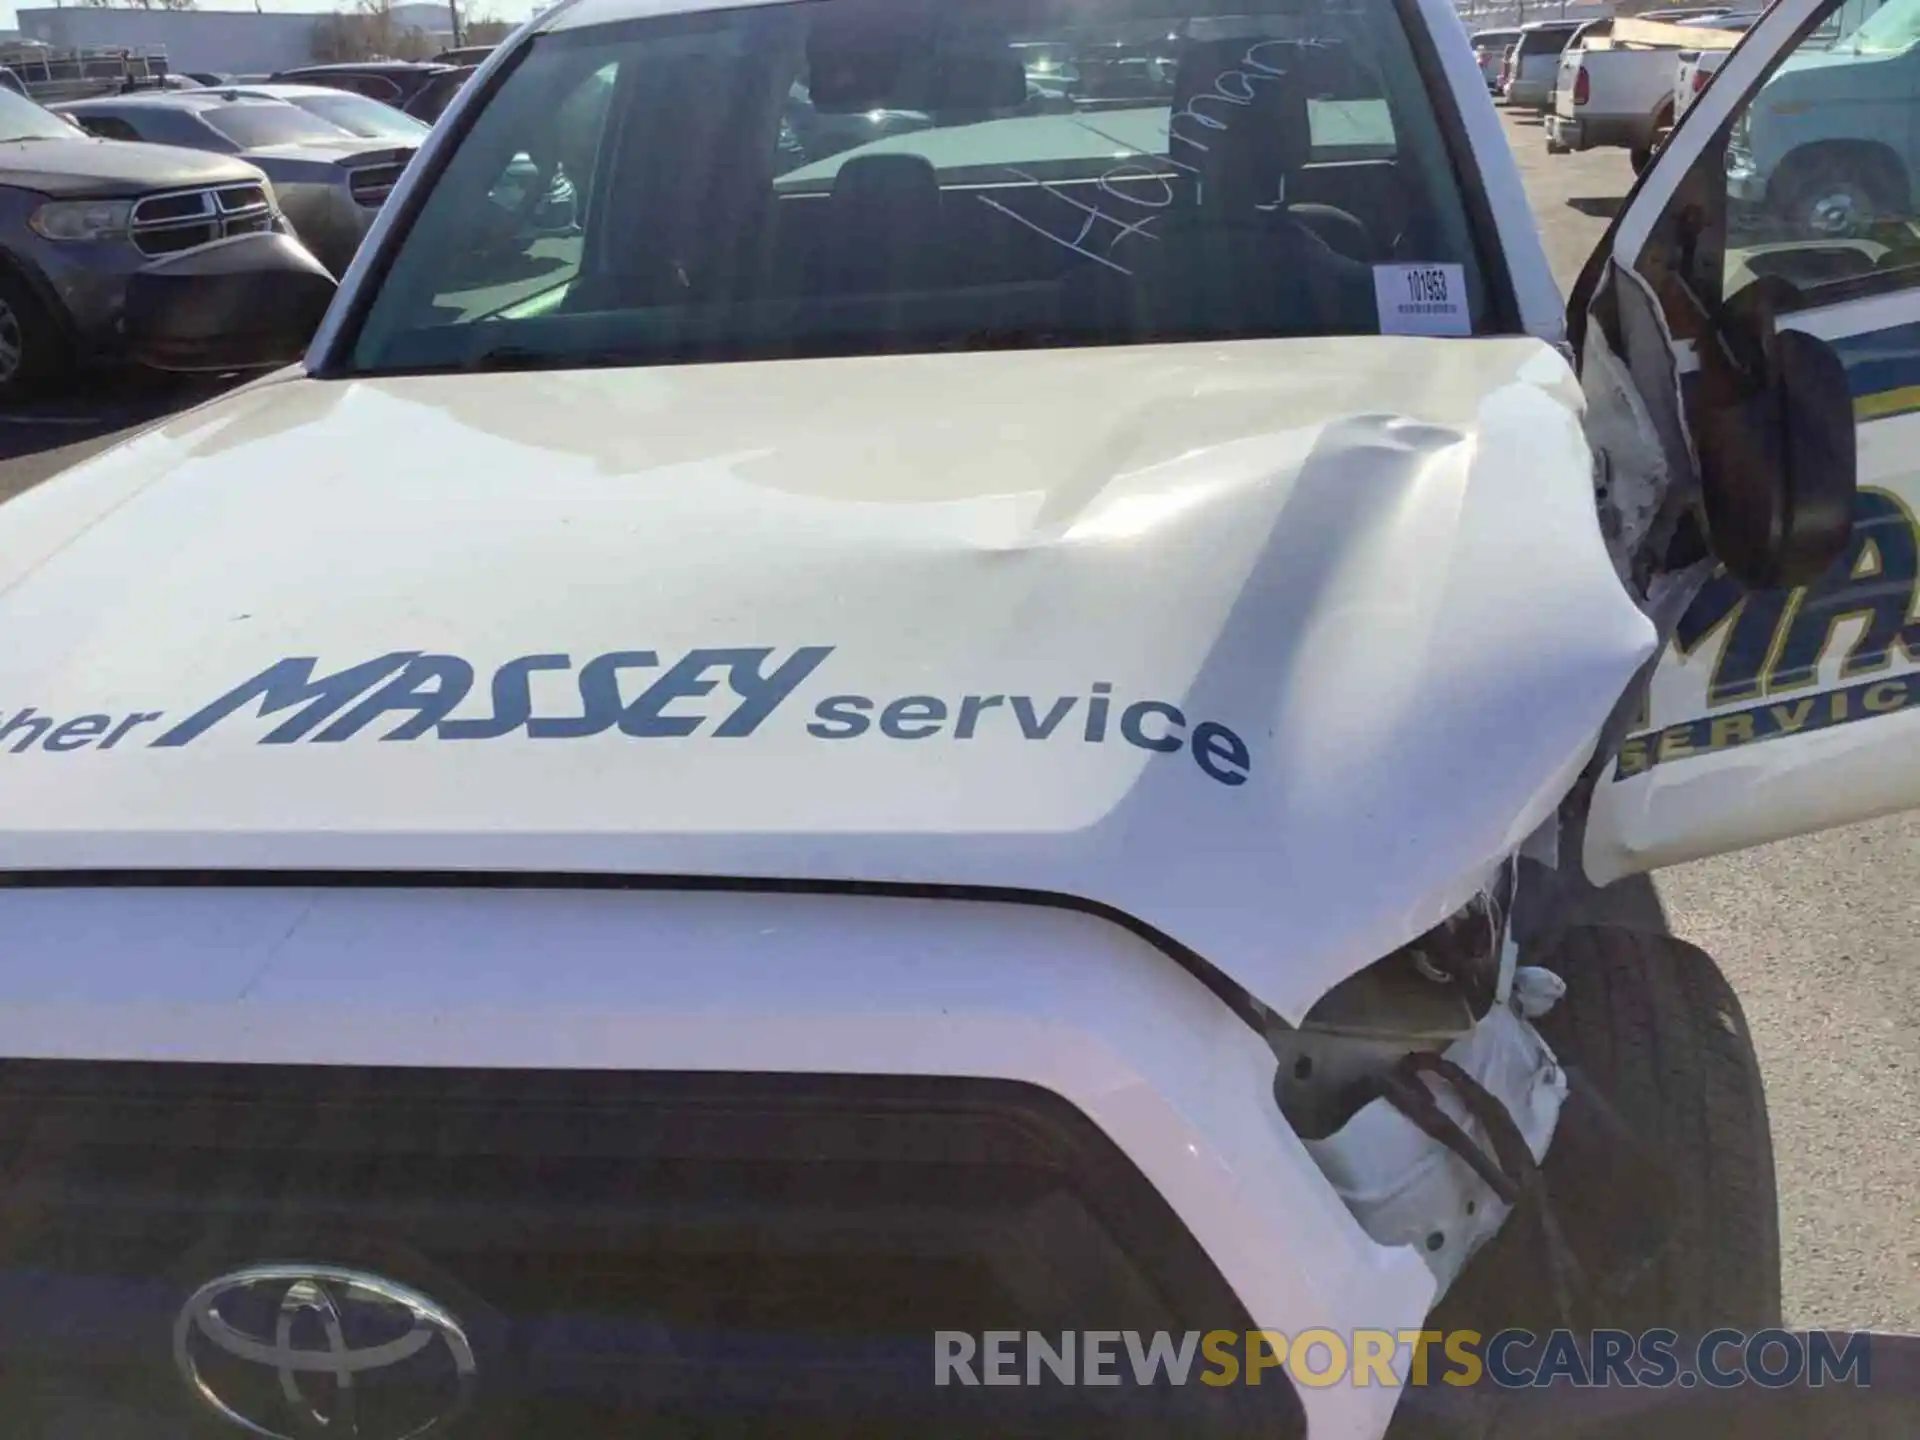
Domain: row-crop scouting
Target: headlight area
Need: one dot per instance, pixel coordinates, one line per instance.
(1414, 1082)
(83, 219)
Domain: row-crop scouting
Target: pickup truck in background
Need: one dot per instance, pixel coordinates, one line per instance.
(1616, 85)
(1526, 77)
(1830, 151)
(1490, 49)
(1695, 67)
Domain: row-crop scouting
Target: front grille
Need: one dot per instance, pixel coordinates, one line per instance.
(371, 184)
(617, 1254)
(180, 220)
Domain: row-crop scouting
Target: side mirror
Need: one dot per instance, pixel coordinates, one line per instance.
(1775, 434)
(249, 302)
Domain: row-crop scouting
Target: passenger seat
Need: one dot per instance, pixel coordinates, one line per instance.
(884, 231)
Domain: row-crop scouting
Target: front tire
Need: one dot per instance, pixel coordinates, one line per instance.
(1656, 1030)
(33, 345)
(1839, 196)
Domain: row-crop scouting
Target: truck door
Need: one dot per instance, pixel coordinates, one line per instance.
(1777, 711)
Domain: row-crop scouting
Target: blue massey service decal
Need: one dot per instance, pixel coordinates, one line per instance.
(1765, 680)
(719, 694)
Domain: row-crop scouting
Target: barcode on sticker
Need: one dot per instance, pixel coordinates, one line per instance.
(1421, 300)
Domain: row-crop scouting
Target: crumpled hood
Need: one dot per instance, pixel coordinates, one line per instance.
(1278, 646)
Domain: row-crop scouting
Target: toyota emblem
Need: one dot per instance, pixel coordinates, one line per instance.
(297, 1351)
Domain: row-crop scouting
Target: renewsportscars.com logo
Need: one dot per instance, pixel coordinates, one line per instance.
(1509, 1359)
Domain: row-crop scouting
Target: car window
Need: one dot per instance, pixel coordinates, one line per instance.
(374, 87)
(21, 119)
(359, 115)
(1101, 171)
(268, 122)
(109, 127)
(1886, 32)
(1821, 162)
(431, 100)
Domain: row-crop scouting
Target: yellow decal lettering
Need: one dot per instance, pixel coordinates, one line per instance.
(1730, 730)
(1791, 717)
(1839, 706)
(1633, 761)
(1675, 744)
(1887, 695)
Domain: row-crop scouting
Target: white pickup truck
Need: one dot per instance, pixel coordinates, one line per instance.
(943, 789)
(1615, 85)
(1694, 68)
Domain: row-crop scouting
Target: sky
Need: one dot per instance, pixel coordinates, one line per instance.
(486, 9)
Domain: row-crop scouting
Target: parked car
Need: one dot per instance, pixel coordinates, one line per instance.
(79, 215)
(1618, 89)
(674, 815)
(467, 55)
(1532, 63)
(430, 101)
(394, 81)
(349, 110)
(1490, 49)
(330, 183)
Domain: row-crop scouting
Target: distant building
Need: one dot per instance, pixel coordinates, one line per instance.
(228, 42)
(436, 20)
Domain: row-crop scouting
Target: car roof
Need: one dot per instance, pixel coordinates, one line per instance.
(203, 99)
(287, 90)
(363, 67)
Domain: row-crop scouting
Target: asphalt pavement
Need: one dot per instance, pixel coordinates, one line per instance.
(41, 435)
(1821, 936)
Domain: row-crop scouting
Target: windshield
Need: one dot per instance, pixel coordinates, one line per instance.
(1888, 31)
(359, 115)
(21, 119)
(871, 176)
(268, 122)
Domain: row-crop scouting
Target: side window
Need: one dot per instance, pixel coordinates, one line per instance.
(1823, 160)
(374, 87)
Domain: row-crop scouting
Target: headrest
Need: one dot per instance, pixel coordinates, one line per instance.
(890, 186)
(1239, 116)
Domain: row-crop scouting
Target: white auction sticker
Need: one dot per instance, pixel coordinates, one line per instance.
(1421, 300)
